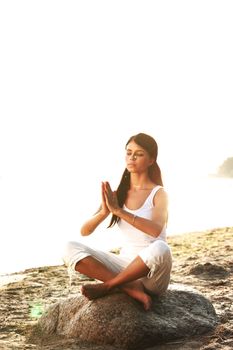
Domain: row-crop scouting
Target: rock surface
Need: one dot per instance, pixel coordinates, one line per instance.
(120, 321)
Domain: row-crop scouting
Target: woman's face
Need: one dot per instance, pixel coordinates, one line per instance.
(137, 158)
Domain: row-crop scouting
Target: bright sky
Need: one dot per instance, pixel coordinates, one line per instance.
(78, 78)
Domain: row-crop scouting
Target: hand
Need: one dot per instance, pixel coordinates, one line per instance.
(110, 198)
(104, 209)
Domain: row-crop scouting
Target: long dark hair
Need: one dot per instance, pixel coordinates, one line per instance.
(149, 144)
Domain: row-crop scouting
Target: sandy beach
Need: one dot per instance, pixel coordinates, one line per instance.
(202, 260)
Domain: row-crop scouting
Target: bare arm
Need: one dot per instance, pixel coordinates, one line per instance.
(159, 216)
(151, 227)
(90, 225)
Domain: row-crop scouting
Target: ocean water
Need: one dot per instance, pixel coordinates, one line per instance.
(200, 203)
(196, 204)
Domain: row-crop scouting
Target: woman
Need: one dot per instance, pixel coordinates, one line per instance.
(140, 208)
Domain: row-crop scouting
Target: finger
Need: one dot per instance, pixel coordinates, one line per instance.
(102, 191)
(108, 194)
(108, 187)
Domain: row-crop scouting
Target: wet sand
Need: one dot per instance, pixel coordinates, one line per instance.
(202, 260)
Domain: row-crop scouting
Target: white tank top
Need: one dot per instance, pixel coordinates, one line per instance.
(133, 239)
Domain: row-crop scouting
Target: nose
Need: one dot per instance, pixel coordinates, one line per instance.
(133, 157)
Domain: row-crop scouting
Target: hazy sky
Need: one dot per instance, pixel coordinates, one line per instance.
(77, 78)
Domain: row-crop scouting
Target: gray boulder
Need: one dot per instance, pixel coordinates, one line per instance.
(119, 321)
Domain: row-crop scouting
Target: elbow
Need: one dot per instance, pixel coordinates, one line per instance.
(157, 230)
(85, 232)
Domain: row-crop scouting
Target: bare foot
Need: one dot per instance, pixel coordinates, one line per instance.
(94, 291)
(136, 290)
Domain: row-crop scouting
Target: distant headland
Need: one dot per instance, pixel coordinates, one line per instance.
(225, 169)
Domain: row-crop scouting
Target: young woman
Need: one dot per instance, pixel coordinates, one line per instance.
(140, 208)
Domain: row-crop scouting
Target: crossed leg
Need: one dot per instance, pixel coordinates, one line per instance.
(127, 280)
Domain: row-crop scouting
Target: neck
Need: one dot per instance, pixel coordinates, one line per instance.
(141, 186)
(141, 182)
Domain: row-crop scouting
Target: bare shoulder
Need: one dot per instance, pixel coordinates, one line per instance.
(161, 197)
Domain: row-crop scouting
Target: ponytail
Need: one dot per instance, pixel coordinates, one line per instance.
(121, 194)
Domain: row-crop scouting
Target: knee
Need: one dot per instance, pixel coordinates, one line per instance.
(70, 250)
(69, 247)
(159, 253)
(161, 248)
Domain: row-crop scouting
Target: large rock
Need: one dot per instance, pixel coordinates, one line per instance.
(120, 321)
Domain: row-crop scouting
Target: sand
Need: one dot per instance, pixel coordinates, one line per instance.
(202, 260)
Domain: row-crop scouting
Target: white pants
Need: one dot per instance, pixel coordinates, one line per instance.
(157, 257)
